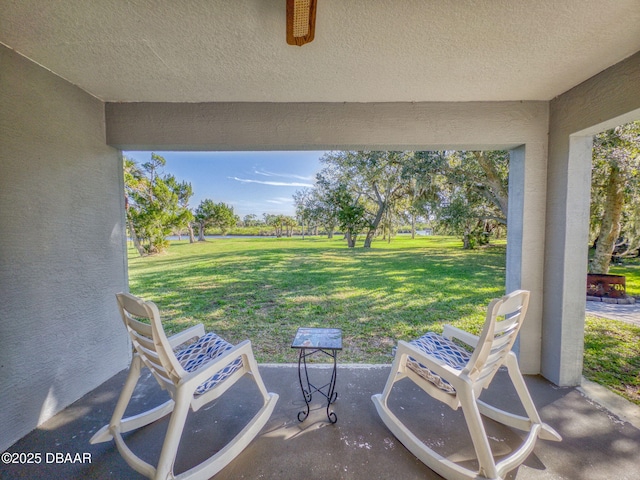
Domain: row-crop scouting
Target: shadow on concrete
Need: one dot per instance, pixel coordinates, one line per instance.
(596, 444)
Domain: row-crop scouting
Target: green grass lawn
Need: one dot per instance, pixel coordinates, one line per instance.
(631, 270)
(611, 348)
(265, 288)
(612, 356)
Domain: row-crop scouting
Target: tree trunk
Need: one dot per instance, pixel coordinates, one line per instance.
(192, 238)
(382, 206)
(374, 226)
(136, 241)
(497, 194)
(369, 238)
(329, 229)
(413, 226)
(201, 232)
(610, 227)
(466, 240)
(351, 240)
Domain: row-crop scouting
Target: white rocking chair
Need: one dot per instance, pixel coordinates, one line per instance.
(194, 376)
(456, 377)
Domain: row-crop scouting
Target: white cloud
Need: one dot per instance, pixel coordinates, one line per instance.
(266, 173)
(275, 184)
(280, 201)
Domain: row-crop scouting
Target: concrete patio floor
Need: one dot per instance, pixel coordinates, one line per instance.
(624, 313)
(597, 444)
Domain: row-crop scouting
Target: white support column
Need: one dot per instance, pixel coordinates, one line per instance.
(610, 98)
(525, 244)
(566, 260)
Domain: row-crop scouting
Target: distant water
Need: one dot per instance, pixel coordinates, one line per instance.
(219, 237)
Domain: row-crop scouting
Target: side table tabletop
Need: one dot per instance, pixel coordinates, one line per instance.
(310, 341)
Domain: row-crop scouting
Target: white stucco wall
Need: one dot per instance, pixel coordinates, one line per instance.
(62, 248)
(604, 101)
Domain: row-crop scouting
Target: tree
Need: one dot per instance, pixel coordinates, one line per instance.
(386, 183)
(460, 216)
(289, 223)
(217, 215)
(485, 175)
(322, 210)
(133, 184)
(426, 179)
(251, 220)
(155, 204)
(184, 216)
(350, 212)
(615, 194)
(302, 199)
(224, 218)
(276, 222)
(375, 181)
(468, 192)
(203, 215)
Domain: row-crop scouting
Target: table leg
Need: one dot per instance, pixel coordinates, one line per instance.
(332, 395)
(306, 393)
(308, 388)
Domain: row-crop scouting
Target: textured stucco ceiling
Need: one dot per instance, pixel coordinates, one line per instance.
(364, 50)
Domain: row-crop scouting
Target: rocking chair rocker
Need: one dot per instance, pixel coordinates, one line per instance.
(456, 377)
(193, 377)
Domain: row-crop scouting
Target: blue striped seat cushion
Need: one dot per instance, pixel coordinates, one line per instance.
(206, 348)
(442, 349)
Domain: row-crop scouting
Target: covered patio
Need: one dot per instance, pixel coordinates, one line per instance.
(82, 82)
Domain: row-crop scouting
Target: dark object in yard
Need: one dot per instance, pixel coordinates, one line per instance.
(602, 285)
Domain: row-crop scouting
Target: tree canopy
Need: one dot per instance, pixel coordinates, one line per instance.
(371, 192)
(472, 194)
(615, 195)
(155, 204)
(217, 215)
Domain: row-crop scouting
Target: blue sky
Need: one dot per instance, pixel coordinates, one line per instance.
(251, 182)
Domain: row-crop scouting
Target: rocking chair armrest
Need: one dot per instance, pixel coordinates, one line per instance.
(432, 363)
(451, 332)
(185, 335)
(208, 369)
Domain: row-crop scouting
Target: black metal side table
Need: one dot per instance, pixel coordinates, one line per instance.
(311, 341)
